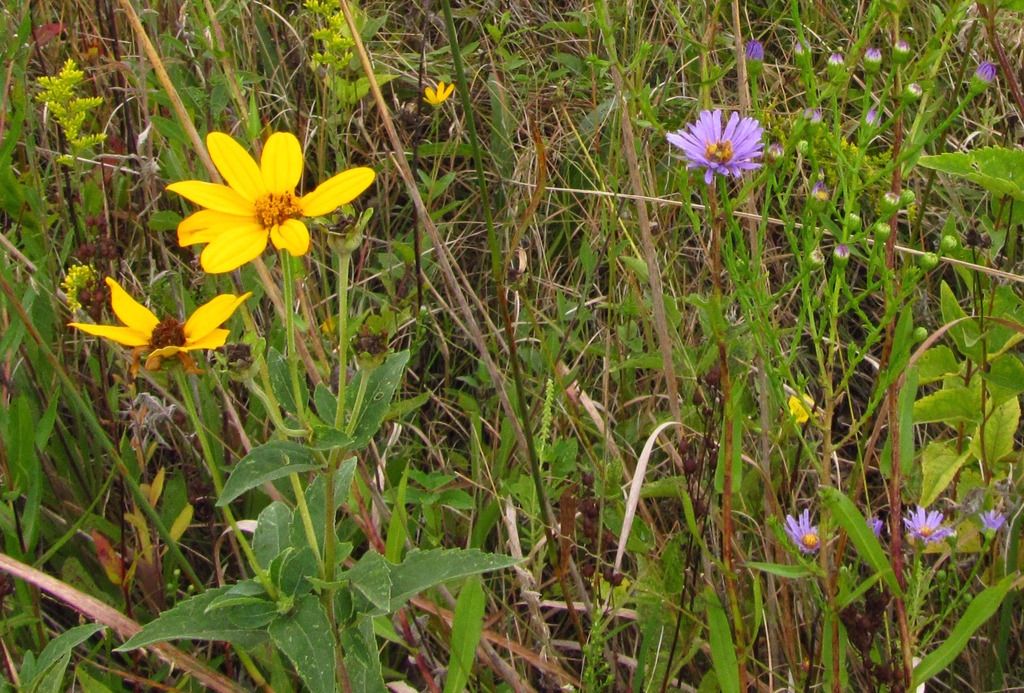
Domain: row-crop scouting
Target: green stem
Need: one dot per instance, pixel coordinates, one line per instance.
(288, 267)
(307, 519)
(218, 481)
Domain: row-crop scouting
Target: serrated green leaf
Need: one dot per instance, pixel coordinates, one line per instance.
(1000, 170)
(377, 393)
(422, 570)
(846, 515)
(189, 619)
(270, 461)
(939, 464)
(975, 615)
(965, 333)
(362, 659)
(305, 637)
(273, 528)
(281, 381)
(936, 363)
(371, 577)
(1005, 377)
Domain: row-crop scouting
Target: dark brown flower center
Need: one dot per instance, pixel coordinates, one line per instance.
(720, 152)
(273, 209)
(169, 332)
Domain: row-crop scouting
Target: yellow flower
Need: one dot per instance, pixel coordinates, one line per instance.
(800, 408)
(168, 337)
(436, 97)
(258, 202)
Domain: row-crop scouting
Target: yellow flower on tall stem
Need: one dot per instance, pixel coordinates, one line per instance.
(144, 332)
(259, 202)
(436, 97)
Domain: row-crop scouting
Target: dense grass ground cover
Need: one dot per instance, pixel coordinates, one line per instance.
(550, 397)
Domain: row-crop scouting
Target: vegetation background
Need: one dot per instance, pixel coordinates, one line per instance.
(617, 376)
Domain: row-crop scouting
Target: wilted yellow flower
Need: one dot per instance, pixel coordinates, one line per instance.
(168, 337)
(258, 202)
(800, 408)
(436, 97)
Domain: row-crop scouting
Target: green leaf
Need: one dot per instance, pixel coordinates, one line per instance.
(315, 502)
(939, 464)
(330, 438)
(845, 513)
(305, 637)
(964, 334)
(635, 265)
(48, 670)
(1005, 377)
(781, 570)
(270, 461)
(362, 659)
(371, 577)
(281, 381)
(999, 170)
(723, 651)
(326, 403)
(190, 619)
(422, 570)
(295, 571)
(993, 439)
(467, 625)
(977, 612)
(272, 531)
(378, 389)
(936, 363)
(950, 405)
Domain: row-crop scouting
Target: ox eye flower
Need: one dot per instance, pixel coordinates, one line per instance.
(259, 202)
(802, 532)
(144, 332)
(729, 151)
(436, 97)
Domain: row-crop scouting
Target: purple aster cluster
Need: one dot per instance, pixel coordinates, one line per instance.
(802, 532)
(728, 151)
(926, 525)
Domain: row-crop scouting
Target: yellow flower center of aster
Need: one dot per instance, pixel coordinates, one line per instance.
(810, 540)
(720, 152)
(273, 209)
(169, 332)
(925, 531)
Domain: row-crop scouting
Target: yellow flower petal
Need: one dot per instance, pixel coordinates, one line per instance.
(445, 92)
(162, 353)
(121, 335)
(292, 236)
(214, 340)
(281, 162)
(207, 224)
(336, 191)
(214, 196)
(230, 251)
(211, 315)
(799, 409)
(237, 167)
(131, 312)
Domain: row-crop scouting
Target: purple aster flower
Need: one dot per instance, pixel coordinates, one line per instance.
(820, 192)
(926, 526)
(992, 520)
(871, 117)
(802, 532)
(813, 115)
(728, 151)
(841, 254)
(836, 60)
(876, 524)
(774, 152)
(799, 47)
(912, 92)
(755, 50)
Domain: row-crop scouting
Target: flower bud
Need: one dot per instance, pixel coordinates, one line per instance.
(907, 197)
(754, 53)
(900, 52)
(841, 255)
(912, 92)
(816, 258)
(889, 205)
(803, 147)
(836, 65)
(852, 223)
(920, 334)
(983, 77)
(881, 231)
(948, 243)
(774, 152)
(872, 59)
(928, 261)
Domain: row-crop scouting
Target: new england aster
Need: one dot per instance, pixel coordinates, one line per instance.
(729, 151)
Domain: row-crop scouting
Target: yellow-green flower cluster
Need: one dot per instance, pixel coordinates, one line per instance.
(77, 278)
(60, 95)
(334, 37)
